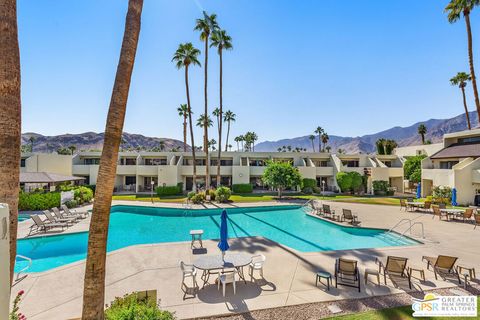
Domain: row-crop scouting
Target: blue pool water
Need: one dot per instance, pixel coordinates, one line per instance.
(131, 225)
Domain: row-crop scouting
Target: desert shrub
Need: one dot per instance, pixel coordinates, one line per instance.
(38, 201)
(307, 190)
(198, 197)
(191, 194)
(211, 193)
(242, 188)
(129, 307)
(442, 194)
(344, 181)
(309, 183)
(223, 194)
(167, 190)
(71, 204)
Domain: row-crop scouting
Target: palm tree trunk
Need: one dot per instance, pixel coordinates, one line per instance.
(470, 61)
(423, 139)
(313, 146)
(205, 123)
(10, 118)
(228, 134)
(319, 143)
(185, 133)
(466, 109)
(94, 283)
(194, 178)
(220, 122)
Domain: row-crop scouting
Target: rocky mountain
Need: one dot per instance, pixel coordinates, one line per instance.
(94, 141)
(404, 136)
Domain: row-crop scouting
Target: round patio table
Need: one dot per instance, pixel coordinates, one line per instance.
(452, 212)
(233, 260)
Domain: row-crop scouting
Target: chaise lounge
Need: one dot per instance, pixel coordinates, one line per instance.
(443, 266)
(347, 273)
(40, 225)
(394, 267)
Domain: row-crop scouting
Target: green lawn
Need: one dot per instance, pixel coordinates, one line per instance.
(399, 313)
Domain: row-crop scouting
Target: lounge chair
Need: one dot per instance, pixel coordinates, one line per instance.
(395, 266)
(477, 220)
(348, 215)
(327, 211)
(403, 205)
(317, 207)
(442, 205)
(61, 215)
(347, 273)
(438, 213)
(443, 265)
(427, 206)
(68, 212)
(40, 225)
(52, 219)
(464, 216)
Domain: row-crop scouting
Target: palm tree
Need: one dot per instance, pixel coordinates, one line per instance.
(230, 147)
(242, 140)
(202, 120)
(455, 9)
(185, 56)
(221, 41)
(328, 148)
(211, 144)
(10, 119)
(289, 148)
(238, 139)
(312, 139)
(216, 114)
(206, 26)
(32, 140)
(250, 138)
(325, 139)
(161, 145)
(228, 117)
(94, 283)
(183, 112)
(380, 145)
(279, 149)
(460, 80)
(319, 131)
(72, 149)
(422, 131)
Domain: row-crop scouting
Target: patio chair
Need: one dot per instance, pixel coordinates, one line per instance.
(442, 266)
(317, 207)
(394, 267)
(464, 216)
(403, 205)
(51, 218)
(257, 264)
(477, 220)
(68, 212)
(438, 213)
(409, 199)
(188, 271)
(225, 278)
(348, 215)
(327, 211)
(60, 215)
(347, 273)
(427, 206)
(40, 225)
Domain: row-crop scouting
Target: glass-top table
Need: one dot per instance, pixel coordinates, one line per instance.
(216, 262)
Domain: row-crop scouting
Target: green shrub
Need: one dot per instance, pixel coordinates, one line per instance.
(281, 175)
(442, 194)
(191, 194)
(198, 198)
(344, 181)
(71, 204)
(307, 190)
(129, 307)
(357, 181)
(38, 201)
(309, 183)
(416, 176)
(380, 187)
(180, 187)
(242, 188)
(211, 193)
(168, 190)
(223, 194)
(316, 189)
(413, 167)
(92, 187)
(82, 194)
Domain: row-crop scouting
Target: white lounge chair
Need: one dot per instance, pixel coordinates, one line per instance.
(40, 225)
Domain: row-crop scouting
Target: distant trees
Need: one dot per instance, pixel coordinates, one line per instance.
(349, 181)
(460, 80)
(422, 131)
(312, 139)
(183, 112)
(385, 146)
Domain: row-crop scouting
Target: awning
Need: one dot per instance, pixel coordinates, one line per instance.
(458, 151)
(46, 177)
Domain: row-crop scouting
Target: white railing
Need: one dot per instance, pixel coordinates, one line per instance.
(24, 269)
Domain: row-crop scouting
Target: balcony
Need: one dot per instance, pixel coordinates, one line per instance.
(147, 170)
(81, 169)
(126, 169)
(324, 171)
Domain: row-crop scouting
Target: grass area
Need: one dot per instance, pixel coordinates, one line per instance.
(370, 200)
(399, 313)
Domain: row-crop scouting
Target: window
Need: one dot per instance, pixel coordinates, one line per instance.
(89, 161)
(257, 163)
(388, 163)
(23, 163)
(155, 162)
(469, 140)
(320, 163)
(351, 163)
(130, 180)
(447, 164)
(213, 162)
(128, 161)
(189, 162)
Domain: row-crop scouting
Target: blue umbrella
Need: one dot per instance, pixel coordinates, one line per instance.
(419, 190)
(223, 244)
(454, 197)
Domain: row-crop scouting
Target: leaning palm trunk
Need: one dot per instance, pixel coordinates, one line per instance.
(220, 121)
(470, 62)
(205, 123)
(94, 283)
(466, 108)
(10, 118)
(194, 176)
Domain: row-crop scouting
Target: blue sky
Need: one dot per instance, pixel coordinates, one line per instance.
(352, 67)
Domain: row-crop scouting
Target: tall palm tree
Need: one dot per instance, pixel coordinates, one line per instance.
(185, 56)
(238, 140)
(72, 149)
(206, 26)
(228, 117)
(242, 140)
(460, 80)
(183, 112)
(454, 10)
(94, 283)
(10, 118)
(325, 139)
(161, 145)
(312, 139)
(202, 120)
(32, 140)
(319, 131)
(279, 149)
(328, 148)
(422, 131)
(222, 41)
(216, 114)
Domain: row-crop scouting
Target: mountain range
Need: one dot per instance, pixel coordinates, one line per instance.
(404, 136)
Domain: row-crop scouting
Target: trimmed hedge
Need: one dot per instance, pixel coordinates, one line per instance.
(309, 183)
(38, 201)
(168, 190)
(242, 188)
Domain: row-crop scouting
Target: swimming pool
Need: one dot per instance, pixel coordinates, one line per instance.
(132, 225)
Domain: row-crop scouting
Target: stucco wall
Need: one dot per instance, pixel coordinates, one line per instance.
(52, 163)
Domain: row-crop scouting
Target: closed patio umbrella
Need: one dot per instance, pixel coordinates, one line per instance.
(419, 190)
(454, 197)
(223, 243)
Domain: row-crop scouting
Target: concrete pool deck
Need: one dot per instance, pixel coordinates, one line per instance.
(289, 274)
